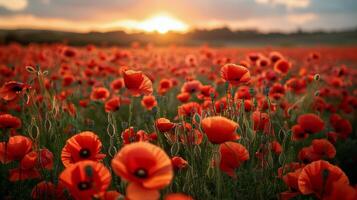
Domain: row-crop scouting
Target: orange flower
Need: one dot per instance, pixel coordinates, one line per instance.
(189, 109)
(149, 102)
(311, 123)
(318, 178)
(83, 146)
(135, 191)
(16, 148)
(164, 86)
(9, 121)
(164, 125)
(235, 74)
(178, 162)
(117, 84)
(99, 94)
(232, 156)
(110, 195)
(144, 164)
(191, 86)
(183, 97)
(177, 196)
(282, 66)
(86, 179)
(112, 104)
(137, 83)
(129, 135)
(220, 129)
(12, 89)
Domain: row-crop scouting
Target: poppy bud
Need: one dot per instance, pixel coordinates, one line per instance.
(317, 77)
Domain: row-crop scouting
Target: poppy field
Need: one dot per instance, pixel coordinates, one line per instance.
(177, 123)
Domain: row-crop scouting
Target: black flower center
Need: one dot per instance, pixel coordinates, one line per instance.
(16, 88)
(84, 153)
(141, 173)
(84, 185)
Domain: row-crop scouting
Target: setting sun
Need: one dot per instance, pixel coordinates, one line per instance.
(162, 24)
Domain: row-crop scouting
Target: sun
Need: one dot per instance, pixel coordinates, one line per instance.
(162, 23)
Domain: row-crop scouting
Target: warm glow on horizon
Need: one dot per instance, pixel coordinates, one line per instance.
(162, 23)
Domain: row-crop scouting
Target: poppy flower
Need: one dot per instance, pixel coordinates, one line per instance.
(232, 156)
(135, 191)
(110, 195)
(261, 121)
(15, 149)
(19, 174)
(47, 190)
(149, 102)
(341, 189)
(219, 129)
(164, 86)
(311, 123)
(99, 94)
(164, 125)
(137, 83)
(143, 164)
(112, 104)
(189, 109)
(178, 162)
(183, 97)
(275, 56)
(12, 89)
(323, 148)
(275, 147)
(177, 196)
(318, 177)
(206, 91)
(8, 121)
(291, 179)
(117, 84)
(129, 135)
(86, 179)
(235, 74)
(296, 85)
(282, 66)
(42, 159)
(83, 146)
(298, 133)
(191, 86)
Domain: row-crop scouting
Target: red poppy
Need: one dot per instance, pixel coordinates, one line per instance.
(184, 97)
(191, 86)
(12, 89)
(189, 109)
(311, 123)
(164, 125)
(341, 189)
(282, 66)
(8, 121)
(149, 102)
(83, 146)
(275, 147)
(235, 74)
(86, 179)
(323, 148)
(178, 162)
(129, 135)
(219, 129)
(112, 104)
(298, 133)
(318, 178)
(99, 94)
(291, 179)
(110, 195)
(137, 83)
(164, 86)
(261, 121)
(232, 156)
(117, 84)
(16, 148)
(144, 164)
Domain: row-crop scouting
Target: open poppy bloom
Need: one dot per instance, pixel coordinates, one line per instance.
(164, 86)
(318, 178)
(47, 190)
(191, 86)
(8, 121)
(12, 89)
(164, 125)
(99, 94)
(149, 102)
(235, 74)
(177, 196)
(219, 129)
(232, 156)
(129, 135)
(282, 66)
(144, 165)
(137, 83)
(83, 146)
(112, 104)
(17, 147)
(261, 121)
(189, 109)
(86, 179)
(311, 123)
(178, 162)
(183, 97)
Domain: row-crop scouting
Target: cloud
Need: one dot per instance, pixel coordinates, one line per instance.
(288, 3)
(14, 5)
(301, 19)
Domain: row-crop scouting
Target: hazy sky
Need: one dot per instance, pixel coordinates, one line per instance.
(101, 15)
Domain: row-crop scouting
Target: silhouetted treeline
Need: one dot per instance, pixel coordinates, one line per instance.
(221, 36)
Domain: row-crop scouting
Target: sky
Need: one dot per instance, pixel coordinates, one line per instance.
(178, 15)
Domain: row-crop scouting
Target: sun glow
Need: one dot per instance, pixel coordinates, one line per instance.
(162, 23)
